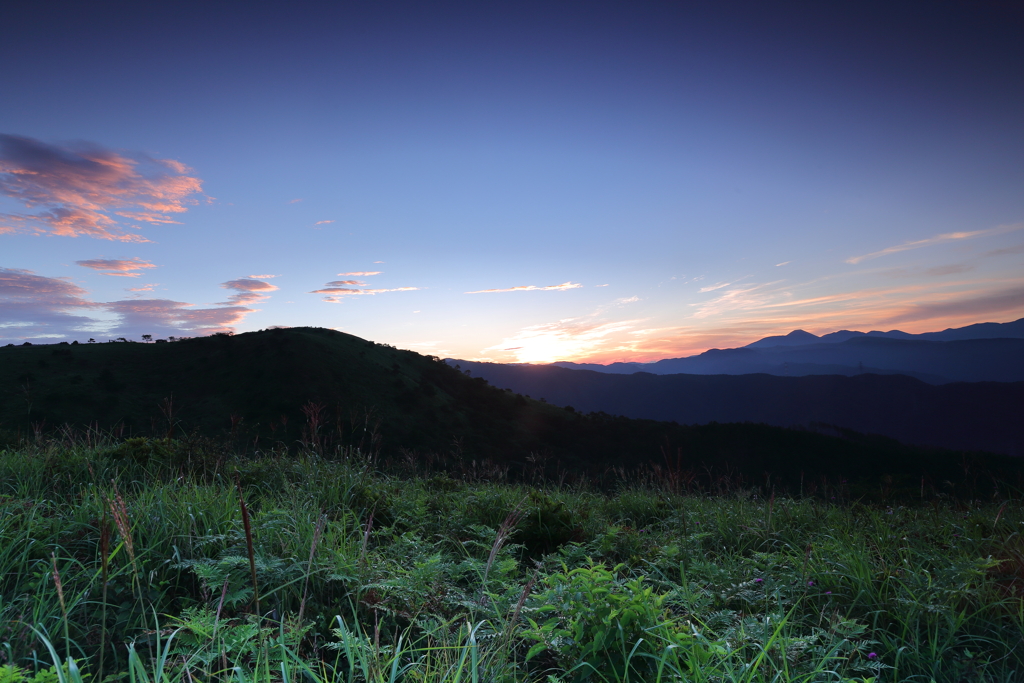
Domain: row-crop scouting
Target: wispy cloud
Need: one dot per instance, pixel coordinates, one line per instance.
(132, 267)
(1016, 249)
(337, 294)
(711, 288)
(530, 288)
(86, 190)
(784, 263)
(249, 291)
(262, 277)
(296, 201)
(323, 222)
(739, 298)
(337, 290)
(362, 273)
(938, 239)
(948, 269)
(1008, 300)
(143, 288)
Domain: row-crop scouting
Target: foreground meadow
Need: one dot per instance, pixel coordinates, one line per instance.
(177, 561)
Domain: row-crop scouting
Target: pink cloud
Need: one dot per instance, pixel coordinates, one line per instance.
(117, 267)
(78, 189)
(47, 308)
(262, 277)
(250, 291)
(364, 273)
(342, 283)
(161, 317)
(323, 222)
(143, 288)
(530, 288)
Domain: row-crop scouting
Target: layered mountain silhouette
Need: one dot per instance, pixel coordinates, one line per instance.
(970, 416)
(986, 352)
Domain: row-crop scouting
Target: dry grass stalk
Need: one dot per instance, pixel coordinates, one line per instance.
(248, 542)
(321, 523)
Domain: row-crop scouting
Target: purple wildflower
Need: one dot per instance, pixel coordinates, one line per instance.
(758, 580)
(872, 655)
(810, 583)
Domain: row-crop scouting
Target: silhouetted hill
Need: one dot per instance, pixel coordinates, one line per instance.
(982, 416)
(277, 387)
(935, 362)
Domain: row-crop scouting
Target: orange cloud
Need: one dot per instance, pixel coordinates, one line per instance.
(117, 267)
(530, 288)
(77, 190)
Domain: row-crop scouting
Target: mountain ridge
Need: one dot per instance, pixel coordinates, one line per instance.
(953, 355)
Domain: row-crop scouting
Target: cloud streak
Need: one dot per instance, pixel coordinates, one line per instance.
(87, 190)
(363, 273)
(132, 267)
(337, 291)
(530, 288)
(938, 239)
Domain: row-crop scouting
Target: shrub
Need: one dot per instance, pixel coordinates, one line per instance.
(614, 629)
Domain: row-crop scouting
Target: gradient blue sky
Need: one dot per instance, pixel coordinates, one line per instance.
(653, 179)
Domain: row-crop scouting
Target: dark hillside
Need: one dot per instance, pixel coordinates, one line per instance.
(258, 384)
(279, 387)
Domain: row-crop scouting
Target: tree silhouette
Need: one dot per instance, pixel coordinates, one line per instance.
(147, 337)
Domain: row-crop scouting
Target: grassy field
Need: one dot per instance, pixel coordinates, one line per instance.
(155, 560)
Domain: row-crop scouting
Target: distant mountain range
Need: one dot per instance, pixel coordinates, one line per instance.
(986, 352)
(969, 416)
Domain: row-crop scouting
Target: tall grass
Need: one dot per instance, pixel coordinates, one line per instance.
(134, 560)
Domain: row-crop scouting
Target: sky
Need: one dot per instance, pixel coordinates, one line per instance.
(510, 181)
